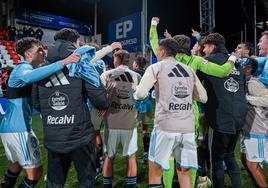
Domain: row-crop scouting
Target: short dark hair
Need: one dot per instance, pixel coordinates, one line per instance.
(25, 44)
(141, 61)
(214, 38)
(123, 55)
(170, 46)
(250, 47)
(184, 43)
(67, 34)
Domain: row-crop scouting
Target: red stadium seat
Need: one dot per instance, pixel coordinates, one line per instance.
(13, 44)
(7, 44)
(16, 61)
(15, 57)
(11, 51)
(9, 47)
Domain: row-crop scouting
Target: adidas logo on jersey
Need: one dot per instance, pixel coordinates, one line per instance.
(125, 77)
(178, 71)
(57, 79)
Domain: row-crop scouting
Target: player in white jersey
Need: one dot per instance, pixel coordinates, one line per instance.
(120, 118)
(176, 85)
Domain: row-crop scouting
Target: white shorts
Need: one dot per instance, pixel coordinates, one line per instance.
(165, 144)
(255, 148)
(128, 139)
(95, 119)
(23, 148)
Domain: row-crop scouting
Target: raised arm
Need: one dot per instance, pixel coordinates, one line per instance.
(196, 34)
(153, 34)
(106, 50)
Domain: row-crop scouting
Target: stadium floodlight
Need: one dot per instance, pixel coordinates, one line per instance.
(207, 15)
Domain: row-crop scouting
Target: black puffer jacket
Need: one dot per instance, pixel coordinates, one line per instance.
(62, 102)
(226, 107)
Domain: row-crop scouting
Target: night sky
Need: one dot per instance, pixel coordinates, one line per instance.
(178, 16)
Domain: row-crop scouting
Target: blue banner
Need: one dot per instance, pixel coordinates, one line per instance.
(127, 30)
(25, 16)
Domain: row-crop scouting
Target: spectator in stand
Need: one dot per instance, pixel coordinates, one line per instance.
(20, 33)
(31, 32)
(3, 34)
(39, 33)
(11, 33)
(25, 31)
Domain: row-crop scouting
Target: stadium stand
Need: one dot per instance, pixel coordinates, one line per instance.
(8, 55)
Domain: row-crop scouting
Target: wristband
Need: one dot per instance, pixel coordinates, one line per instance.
(154, 22)
(232, 58)
(198, 37)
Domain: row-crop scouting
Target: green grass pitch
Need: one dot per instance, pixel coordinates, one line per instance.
(119, 168)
